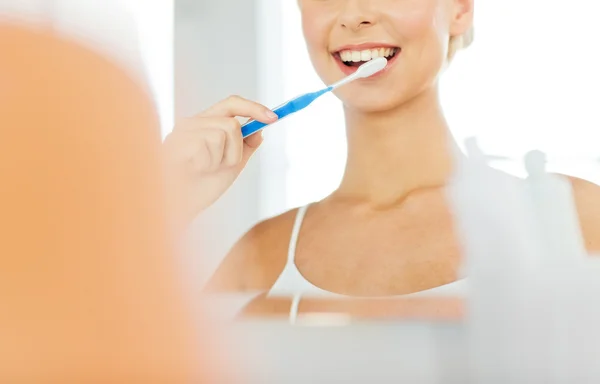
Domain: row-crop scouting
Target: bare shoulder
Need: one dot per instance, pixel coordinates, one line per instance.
(587, 200)
(256, 260)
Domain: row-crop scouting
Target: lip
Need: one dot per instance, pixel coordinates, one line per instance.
(360, 47)
(363, 46)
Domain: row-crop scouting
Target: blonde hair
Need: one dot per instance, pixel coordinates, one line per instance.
(460, 42)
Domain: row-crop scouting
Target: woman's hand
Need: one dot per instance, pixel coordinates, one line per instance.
(206, 153)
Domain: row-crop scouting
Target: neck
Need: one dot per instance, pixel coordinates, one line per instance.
(395, 153)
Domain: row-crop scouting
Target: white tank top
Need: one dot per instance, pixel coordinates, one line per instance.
(291, 283)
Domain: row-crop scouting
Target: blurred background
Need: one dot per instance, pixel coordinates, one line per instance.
(530, 81)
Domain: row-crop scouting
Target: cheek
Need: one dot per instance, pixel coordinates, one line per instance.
(424, 37)
(311, 35)
(316, 37)
(420, 25)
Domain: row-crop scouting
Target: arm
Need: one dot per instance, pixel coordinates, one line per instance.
(256, 260)
(587, 200)
(239, 267)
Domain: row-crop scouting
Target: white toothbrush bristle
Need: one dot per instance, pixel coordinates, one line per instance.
(368, 69)
(371, 67)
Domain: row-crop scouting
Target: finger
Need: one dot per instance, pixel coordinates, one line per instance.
(231, 127)
(255, 140)
(235, 106)
(251, 145)
(234, 145)
(211, 143)
(184, 147)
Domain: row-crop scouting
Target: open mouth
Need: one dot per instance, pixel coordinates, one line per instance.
(350, 60)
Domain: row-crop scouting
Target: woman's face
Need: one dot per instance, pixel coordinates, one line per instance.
(413, 34)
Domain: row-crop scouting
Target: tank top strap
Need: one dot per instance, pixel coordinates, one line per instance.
(295, 233)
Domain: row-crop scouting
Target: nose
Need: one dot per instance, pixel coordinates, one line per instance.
(356, 15)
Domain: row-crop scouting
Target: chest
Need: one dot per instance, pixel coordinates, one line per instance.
(379, 255)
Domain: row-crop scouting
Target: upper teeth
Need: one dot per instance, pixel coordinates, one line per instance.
(366, 55)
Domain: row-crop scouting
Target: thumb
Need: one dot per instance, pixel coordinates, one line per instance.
(251, 145)
(254, 141)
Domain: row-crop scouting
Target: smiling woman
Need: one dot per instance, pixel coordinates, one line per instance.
(312, 178)
(513, 100)
(381, 214)
(387, 229)
(330, 28)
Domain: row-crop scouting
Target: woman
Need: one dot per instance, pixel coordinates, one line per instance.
(387, 230)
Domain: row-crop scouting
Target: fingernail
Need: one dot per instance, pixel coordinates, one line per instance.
(272, 115)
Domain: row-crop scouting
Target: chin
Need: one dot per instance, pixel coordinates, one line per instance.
(371, 103)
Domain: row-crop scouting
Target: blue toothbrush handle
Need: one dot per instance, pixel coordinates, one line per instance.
(284, 110)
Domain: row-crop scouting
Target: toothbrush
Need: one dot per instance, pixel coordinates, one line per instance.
(368, 69)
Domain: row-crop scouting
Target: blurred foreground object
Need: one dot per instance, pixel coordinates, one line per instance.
(533, 309)
(108, 27)
(90, 289)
